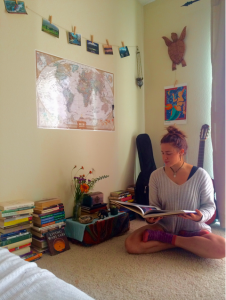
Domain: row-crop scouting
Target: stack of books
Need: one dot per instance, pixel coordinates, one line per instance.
(94, 208)
(15, 223)
(124, 196)
(48, 215)
(131, 189)
(32, 256)
(121, 195)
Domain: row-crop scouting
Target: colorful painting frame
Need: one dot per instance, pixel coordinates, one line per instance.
(175, 108)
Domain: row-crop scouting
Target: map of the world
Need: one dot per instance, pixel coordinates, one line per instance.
(71, 95)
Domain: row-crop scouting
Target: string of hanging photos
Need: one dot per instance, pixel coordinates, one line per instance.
(18, 7)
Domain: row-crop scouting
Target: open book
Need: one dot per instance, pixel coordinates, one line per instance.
(147, 211)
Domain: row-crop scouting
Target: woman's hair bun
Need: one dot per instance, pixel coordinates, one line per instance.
(173, 130)
(176, 137)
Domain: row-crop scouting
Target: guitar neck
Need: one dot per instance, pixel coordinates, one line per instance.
(201, 153)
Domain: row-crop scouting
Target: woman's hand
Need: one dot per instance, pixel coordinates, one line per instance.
(194, 217)
(153, 220)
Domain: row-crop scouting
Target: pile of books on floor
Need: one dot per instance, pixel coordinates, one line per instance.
(15, 223)
(124, 196)
(93, 203)
(48, 215)
(121, 195)
(131, 190)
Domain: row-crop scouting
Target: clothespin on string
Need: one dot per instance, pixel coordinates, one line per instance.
(50, 19)
(16, 1)
(107, 42)
(123, 45)
(92, 38)
(74, 29)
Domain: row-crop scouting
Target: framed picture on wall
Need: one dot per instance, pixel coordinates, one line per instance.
(175, 108)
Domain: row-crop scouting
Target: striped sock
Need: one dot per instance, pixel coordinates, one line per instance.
(192, 233)
(161, 236)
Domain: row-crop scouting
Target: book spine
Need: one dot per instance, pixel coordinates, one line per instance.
(54, 222)
(93, 210)
(17, 221)
(46, 211)
(52, 215)
(15, 227)
(17, 207)
(6, 235)
(19, 247)
(94, 207)
(23, 256)
(15, 217)
(17, 236)
(121, 198)
(16, 210)
(22, 251)
(16, 213)
(126, 198)
(122, 194)
(39, 215)
(15, 240)
(44, 229)
(48, 220)
(39, 244)
(48, 204)
(51, 220)
(34, 257)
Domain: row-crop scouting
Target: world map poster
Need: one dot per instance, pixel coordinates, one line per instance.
(175, 104)
(71, 95)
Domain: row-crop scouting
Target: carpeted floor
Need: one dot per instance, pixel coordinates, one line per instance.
(107, 272)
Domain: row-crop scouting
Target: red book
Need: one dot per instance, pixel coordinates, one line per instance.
(91, 211)
(19, 247)
(126, 198)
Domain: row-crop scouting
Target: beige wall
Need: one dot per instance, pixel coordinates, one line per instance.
(161, 18)
(36, 163)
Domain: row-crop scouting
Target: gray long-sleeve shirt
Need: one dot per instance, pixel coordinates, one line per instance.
(195, 193)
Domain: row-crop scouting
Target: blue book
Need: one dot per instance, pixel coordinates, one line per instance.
(52, 215)
(55, 222)
(4, 236)
(51, 220)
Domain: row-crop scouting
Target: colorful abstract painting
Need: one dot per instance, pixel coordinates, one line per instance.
(176, 104)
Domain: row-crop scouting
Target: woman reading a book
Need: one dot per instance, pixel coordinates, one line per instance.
(179, 185)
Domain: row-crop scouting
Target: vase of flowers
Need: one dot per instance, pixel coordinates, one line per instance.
(77, 211)
(81, 185)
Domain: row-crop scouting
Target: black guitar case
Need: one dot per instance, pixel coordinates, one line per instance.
(147, 166)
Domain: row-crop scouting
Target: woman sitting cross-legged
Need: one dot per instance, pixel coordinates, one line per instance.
(176, 186)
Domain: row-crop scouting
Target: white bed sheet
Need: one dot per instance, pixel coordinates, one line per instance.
(25, 280)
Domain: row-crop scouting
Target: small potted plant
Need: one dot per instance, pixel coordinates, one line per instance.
(113, 210)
